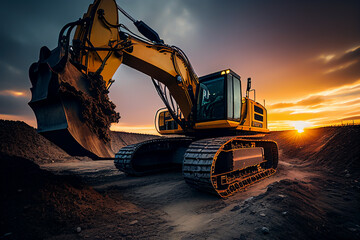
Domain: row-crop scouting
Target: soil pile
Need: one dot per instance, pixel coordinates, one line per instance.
(35, 204)
(20, 140)
(122, 139)
(329, 148)
(341, 151)
(296, 209)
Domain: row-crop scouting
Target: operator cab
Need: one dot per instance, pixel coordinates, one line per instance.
(219, 97)
(220, 105)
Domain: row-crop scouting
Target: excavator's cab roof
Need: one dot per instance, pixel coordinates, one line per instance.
(217, 74)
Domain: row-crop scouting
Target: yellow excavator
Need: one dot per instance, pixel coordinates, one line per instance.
(218, 132)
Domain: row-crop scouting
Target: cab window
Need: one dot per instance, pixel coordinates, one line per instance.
(211, 101)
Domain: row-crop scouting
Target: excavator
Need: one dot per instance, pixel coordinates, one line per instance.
(217, 132)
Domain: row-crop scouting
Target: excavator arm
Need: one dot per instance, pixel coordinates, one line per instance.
(101, 44)
(71, 82)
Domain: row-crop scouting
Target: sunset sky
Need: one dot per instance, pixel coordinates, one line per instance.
(303, 56)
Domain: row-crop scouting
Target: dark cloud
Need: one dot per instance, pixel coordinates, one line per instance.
(345, 67)
(349, 56)
(11, 105)
(25, 27)
(15, 60)
(348, 74)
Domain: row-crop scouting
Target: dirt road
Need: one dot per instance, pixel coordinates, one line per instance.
(296, 197)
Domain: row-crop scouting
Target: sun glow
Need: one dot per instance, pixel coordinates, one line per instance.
(13, 93)
(300, 125)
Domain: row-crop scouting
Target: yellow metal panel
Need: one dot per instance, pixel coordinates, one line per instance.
(100, 36)
(175, 131)
(216, 124)
(158, 64)
(252, 129)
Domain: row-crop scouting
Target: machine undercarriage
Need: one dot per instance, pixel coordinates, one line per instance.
(221, 166)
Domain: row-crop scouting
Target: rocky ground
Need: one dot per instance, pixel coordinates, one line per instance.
(313, 195)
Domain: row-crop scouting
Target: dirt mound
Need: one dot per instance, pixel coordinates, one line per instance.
(36, 204)
(330, 148)
(122, 139)
(20, 140)
(341, 151)
(308, 210)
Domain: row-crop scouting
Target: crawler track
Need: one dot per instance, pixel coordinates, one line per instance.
(152, 156)
(200, 162)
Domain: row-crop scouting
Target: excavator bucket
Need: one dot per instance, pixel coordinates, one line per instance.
(72, 109)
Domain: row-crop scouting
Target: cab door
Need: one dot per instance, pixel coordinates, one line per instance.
(233, 98)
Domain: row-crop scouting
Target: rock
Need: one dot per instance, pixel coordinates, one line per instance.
(265, 230)
(237, 207)
(249, 199)
(133, 222)
(242, 237)
(252, 212)
(347, 175)
(352, 229)
(78, 229)
(284, 213)
(262, 214)
(244, 210)
(281, 196)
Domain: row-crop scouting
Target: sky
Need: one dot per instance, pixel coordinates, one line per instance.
(303, 56)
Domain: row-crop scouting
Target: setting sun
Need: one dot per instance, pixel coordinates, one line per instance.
(300, 125)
